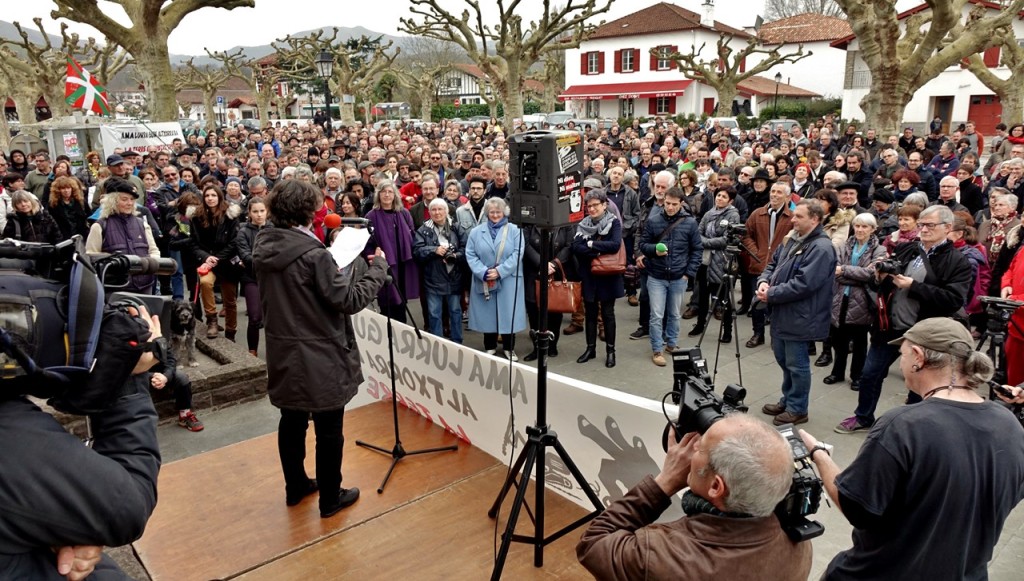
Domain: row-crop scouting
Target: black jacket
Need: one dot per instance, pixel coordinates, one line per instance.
(55, 492)
(244, 243)
(220, 240)
(435, 275)
(306, 306)
(947, 283)
(71, 219)
(38, 227)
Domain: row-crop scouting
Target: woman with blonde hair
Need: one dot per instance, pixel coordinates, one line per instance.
(122, 229)
(67, 206)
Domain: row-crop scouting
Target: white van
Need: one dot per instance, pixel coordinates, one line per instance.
(729, 123)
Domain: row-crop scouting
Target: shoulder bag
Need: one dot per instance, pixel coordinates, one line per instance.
(564, 296)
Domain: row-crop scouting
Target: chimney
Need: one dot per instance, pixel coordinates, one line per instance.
(707, 14)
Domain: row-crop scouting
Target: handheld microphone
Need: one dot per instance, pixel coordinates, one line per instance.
(332, 221)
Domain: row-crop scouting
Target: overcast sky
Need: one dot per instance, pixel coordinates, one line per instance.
(219, 29)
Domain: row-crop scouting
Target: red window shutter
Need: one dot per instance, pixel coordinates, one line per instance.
(600, 62)
(583, 63)
(743, 65)
(991, 56)
(636, 60)
(618, 61)
(653, 106)
(654, 60)
(672, 105)
(721, 65)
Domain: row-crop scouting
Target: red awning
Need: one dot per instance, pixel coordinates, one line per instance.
(625, 91)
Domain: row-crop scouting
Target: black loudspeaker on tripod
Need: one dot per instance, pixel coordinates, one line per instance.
(546, 191)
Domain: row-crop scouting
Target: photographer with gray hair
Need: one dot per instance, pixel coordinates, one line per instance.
(931, 487)
(736, 473)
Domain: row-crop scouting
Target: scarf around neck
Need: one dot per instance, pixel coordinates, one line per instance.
(587, 228)
(495, 227)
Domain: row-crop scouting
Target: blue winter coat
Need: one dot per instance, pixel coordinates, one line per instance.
(800, 288)
(684, 247)
(505, 311)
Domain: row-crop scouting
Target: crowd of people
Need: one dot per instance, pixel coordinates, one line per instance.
(669, 195)
(878, 247)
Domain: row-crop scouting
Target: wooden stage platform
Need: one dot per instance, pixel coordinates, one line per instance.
(221, 514)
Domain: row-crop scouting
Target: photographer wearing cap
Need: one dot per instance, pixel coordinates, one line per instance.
(63, 501)
(736, 473)
(932, 279)
(931, 487)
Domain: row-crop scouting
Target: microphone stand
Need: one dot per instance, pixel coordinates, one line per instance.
(397, 451)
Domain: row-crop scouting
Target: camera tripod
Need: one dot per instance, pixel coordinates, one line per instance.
(995, 334)
(724, 299)
(540, 438)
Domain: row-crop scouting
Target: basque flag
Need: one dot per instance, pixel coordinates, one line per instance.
(83, 91)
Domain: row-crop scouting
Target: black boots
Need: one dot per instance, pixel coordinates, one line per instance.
(610, 360)
(590, 353)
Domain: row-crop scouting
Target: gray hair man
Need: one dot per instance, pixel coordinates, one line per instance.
(736, 473)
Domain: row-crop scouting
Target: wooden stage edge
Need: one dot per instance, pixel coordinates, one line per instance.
(221, 514)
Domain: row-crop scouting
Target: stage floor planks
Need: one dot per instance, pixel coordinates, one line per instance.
(222, 514)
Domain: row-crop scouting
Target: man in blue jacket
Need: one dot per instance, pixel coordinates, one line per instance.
(669, 268)
(796, 286)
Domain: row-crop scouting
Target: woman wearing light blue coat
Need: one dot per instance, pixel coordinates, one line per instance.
(497, 299)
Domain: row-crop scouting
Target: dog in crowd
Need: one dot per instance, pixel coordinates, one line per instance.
(183, 334)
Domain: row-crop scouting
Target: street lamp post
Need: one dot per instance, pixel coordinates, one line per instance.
(325, 67)
(778, 79)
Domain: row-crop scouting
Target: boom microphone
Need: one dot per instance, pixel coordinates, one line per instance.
(355, 222)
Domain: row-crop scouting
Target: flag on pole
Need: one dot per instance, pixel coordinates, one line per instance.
(83, 91)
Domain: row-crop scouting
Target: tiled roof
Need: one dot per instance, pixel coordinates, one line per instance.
(804, 28)
(764, 86)
(661, 17)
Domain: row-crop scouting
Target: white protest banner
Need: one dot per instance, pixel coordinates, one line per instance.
(613, 437)
(139, 137)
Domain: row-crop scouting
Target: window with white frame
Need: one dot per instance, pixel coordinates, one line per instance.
(592, 63)
(626, 108)
(663, 62)
(593, 109)
(663, 103)
(627, 61)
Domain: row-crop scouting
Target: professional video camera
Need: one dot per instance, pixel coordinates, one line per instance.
(1000, 310)
(61, 337)
(696, 408)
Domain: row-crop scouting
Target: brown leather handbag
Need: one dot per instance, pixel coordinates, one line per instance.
(610, 264)
(564, 296)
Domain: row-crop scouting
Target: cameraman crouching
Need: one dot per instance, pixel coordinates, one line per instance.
(63, 501)
(736, 472)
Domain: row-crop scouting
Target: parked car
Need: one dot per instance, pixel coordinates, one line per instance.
(729, 123)
(558, 118)
(786, 124)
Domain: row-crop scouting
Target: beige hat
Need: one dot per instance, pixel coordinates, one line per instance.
(940, 334)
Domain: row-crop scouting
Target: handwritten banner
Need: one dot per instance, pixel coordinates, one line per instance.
(613, 437)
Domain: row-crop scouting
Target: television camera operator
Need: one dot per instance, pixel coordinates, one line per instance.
(737, 473)
(63, 501)
(925, 279)
(930, 489)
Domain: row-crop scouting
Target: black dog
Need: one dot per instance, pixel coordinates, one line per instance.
(183, 334)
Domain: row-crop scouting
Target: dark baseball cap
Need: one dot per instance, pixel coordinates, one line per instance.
(114, 159)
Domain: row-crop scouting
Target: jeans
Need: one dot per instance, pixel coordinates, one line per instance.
(880, 357)
(178, 278)
(666, 296)
(435, 304)
(792, 357)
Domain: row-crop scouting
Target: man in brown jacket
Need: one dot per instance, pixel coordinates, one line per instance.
(737, 472)
(762, 240)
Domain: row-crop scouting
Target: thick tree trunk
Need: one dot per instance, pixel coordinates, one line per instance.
(883, 109)
(426, 105)
(1013, 104)
(154, 64)
(5, 128)
(209, 104)
(550, 97)
(512, 96)
(726, 96)
(263, 104)
(25, 105)
(58, 104)
(348, 113)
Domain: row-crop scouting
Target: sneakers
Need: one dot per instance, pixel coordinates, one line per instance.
(790, 418)
(190, 422)
(511, 355)
(346, 498)
(640, 333)
(658, 359)
(850, 426)
(491, 351)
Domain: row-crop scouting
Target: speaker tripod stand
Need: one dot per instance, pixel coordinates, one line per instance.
(540, 437)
